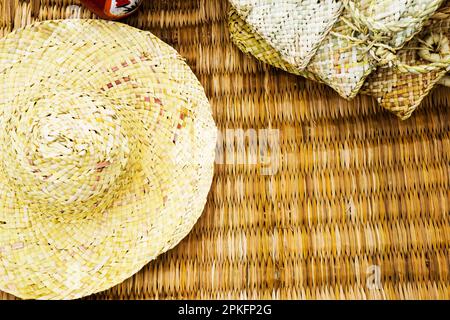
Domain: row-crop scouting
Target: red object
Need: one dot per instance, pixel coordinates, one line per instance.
(112, 9)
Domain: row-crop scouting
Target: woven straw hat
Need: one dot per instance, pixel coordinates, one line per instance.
(364, 36)
(107, 149)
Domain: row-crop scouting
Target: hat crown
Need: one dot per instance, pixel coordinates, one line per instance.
(64, 149)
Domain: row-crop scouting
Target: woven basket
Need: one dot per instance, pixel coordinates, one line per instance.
(107, 148)
(344, 60)
(401, 92)
(252, 43)
(295, 28)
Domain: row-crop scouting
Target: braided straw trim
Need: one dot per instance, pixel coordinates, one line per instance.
(107, 159)
(385, 56)
(439, 59)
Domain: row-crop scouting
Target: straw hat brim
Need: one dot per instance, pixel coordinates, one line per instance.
(49, 256)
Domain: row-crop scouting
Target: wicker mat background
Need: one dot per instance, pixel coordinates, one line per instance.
(360, 201)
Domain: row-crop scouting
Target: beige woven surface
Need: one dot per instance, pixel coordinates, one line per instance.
(356, 189)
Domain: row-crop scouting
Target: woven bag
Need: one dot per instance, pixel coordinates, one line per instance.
(401, 91)
(347, 84)
(364, 37)
(252, 43)
(295, 28)
(107, 155)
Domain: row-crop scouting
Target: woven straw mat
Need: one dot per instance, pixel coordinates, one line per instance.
(356, 206)
(107, 151)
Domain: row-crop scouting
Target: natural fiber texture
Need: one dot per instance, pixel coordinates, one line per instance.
(252, 43)
(295, 28)
(340, 63)
(355, 188)
(397, 20)
(384, 82)
(355, 45)
(106, 154)
(364, 37)
(401, 92)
